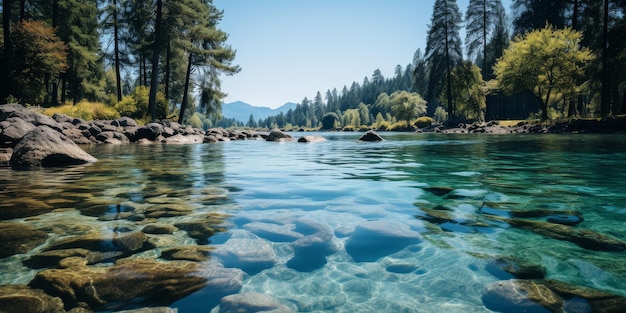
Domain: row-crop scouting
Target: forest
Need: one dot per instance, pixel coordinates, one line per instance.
(544, 60)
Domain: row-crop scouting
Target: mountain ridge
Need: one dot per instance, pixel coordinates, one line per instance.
(241, 111)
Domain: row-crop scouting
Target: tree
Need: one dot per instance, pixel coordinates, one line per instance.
(443, 49)
(8, 49)
(469, 95)
(111, 21)
(407, 105)
(39, 58)
(545, 63)
(530, 15)
(154, 81)
(481, 21)
(329, 120)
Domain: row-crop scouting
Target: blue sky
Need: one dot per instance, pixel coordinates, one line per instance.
(290, 49)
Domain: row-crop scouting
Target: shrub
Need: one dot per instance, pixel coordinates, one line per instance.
(85, 110)
(399, 126)
(363, 128)
(384, 125)
(423, 121)
(441, 115)
(135, 105)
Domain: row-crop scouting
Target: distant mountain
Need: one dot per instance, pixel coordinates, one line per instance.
(241, 111)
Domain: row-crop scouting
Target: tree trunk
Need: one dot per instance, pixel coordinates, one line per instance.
(8, 48)
(605, 96)
(168, 55)
(55, 21)
(22, 10)
(485, 40)
(154, 80)
(448, 70)
(183, 105)
(118, 77)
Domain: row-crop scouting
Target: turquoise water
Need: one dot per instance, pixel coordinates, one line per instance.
(275, 193)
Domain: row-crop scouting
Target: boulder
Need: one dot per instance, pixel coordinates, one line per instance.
(252, 302)
(517, 296)
(151, 132)
(19, 111)
(311, 250)
(278, 135)
(53, 258)
(159, 229)
(509, 267)
(112, 137)
(311, 139)
(597, 300)
(5, 156)
(273, 232)
(17, 238)
(371, 135)
(12, 130)
(132, 281)
(184, 139)
(250, 255)
(46, 147)
(372, 240)
(125, 242)
(124, 121)
(21, 298)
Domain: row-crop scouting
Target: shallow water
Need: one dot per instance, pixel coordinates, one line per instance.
(341, 184)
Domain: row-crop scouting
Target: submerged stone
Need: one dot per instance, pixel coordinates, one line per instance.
(371, 135)
(374, 239)
(311, 139)
(194, 253)
(134, 282)
(126, 242)
(21, 298)
(250, 255)
(273, 232)
(439, 190)
(17, 238)
(252, 302)
(582, 237)
(310, 251)
(509, 267)
(521, 296)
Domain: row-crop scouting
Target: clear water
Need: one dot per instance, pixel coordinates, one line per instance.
(342, 183)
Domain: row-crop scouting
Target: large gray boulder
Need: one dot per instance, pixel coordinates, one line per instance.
(371, 135)
(372, 240)
(252, 302)
(278, 135)
(47, 147)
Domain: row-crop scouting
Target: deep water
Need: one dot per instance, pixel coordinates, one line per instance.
(278, 193)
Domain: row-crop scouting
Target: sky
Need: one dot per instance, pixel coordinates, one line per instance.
(291, 49)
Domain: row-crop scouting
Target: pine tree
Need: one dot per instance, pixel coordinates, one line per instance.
(482, 19)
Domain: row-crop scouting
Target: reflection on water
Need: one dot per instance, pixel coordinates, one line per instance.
(413, 223)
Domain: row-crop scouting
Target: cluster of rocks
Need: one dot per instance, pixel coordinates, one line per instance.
(607, 125)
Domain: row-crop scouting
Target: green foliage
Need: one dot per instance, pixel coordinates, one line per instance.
(467, 91)
(406, 105)
(196, 120)
(85, 110)
(423, 121)
(383, 126)
(329, 120)
(39, 58)
(547, 62)
(440, 115)
(400, 126)
(135, 105)
(351, 118)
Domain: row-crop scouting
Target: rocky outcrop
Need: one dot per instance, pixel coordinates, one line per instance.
(16, 238)
(21, 298)
(371, 135)
(311, 139)
(147, 281)
(45, 146)
(310, 251)
(252, 302)
(187, 253)
(250, 255)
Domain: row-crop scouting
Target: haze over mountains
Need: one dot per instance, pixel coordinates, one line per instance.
(241, 111)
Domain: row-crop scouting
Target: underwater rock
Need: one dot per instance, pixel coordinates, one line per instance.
(509, 267)
(598, 300)
(564, 219)
(46, 147)
(252, 302)
(54, 257)
(374, 239)
(21, 298)
(278, 135)
(16, 238)
(311, 139)
(311, 250)
(194, 253)
(250, 255)
(439, 190)
(161, 309)
(371, 135)
(273, 232)
(513, 296)
(24, 206)
(133, 281)
(582, 237)
(125, 242)
(159, 229)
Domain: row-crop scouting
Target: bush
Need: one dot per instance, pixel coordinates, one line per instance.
(399, 126)
(85, 110)
(441, 115)
(363, 128)
(135, 105)
(383, 126)
(423, 121)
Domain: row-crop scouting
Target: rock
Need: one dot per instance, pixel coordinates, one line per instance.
(311, 139)
(159, 229)
(252, 302)
(513, 296)
(21, 298)
(184, 139)
(125, 242)
(77, 136)
(509, 267)
(311, 250)
(582, 237)
(46, 147)
(161, 309)
(133, 281)
(54, 257)
(187, 253)
(17, 238)
(151, 131)
(439, 190)
(112, 137)
(12, 130)
(371, 135)
(597, 300)
(19, 111)
(5, 156)
(23, 207)
(565, 219)
(273, 232)
(250, 255)
(374, 239)
(124, 121)
(277, 135)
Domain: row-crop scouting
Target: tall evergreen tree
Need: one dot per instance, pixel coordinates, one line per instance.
(482, 19)
(535, 14)
(443, 51)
